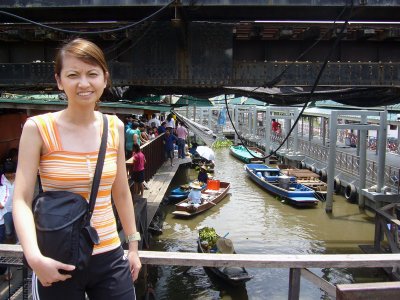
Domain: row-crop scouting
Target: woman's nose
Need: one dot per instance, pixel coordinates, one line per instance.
(84, 81)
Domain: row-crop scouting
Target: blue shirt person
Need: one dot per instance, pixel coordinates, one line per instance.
(169, 140)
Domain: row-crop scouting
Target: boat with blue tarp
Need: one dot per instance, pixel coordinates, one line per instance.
(247, 154)
(272, 180)
(181, 192)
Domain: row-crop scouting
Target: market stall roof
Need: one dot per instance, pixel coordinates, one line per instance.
(360, 96)
(191, 101)
(52, 102)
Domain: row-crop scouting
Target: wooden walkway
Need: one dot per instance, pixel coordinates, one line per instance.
(158, 185)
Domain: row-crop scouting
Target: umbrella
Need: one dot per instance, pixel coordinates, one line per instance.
(205, 152)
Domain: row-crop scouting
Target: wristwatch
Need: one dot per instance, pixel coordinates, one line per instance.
(133, 237)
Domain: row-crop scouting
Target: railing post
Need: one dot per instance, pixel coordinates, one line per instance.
(294, 284)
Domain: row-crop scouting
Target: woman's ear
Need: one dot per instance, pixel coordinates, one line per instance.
(60, 87)
(106, 79)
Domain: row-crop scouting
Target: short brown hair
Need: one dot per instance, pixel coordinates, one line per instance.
(83, 49)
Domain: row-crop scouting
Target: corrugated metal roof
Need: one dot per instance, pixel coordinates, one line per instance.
(52, 102)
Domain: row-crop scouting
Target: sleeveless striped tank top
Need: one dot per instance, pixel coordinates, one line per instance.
(74, 171)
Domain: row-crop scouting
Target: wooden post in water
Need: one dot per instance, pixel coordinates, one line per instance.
(294, 284)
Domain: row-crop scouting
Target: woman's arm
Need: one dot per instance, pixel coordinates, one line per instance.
(28, 162)
(124, 204)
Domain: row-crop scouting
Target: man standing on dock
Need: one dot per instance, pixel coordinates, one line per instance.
(182, 134)
(169, 140)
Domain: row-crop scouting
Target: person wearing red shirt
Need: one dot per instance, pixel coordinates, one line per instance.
(139, 161)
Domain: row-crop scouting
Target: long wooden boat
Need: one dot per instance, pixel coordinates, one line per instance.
(254, 154)
(232, 275)
(209, 198)
(272, 180)
(179, 193)
(308, 178)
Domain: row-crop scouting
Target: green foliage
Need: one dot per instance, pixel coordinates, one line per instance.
(221, 143)
(208, 234)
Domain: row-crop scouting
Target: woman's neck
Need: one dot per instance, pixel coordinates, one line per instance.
(79, 116)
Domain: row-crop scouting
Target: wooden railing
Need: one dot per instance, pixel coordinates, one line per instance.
(155, 157)
(297, 264)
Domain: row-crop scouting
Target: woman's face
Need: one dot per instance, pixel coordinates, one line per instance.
(83, 83)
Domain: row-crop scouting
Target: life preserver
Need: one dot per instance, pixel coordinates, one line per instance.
(303, 165)
(323, 175)
(337, 185)
(350, 193)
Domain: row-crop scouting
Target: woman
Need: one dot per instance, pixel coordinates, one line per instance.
(64, 147)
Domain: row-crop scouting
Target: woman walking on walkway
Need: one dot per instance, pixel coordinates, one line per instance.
(64, 147)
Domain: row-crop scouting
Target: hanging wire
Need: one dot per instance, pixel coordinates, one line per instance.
(274, 152)
(87, 32)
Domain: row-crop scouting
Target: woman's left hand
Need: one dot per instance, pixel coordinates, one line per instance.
(134, 263)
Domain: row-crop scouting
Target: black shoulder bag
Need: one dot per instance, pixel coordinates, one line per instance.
(62, 219)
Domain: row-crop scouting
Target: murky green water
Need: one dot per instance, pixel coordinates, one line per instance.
(258, 223)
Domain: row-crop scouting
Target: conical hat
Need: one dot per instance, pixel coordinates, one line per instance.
(225, 246)
(195, 185)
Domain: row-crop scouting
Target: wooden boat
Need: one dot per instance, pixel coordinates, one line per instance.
(231, 275)
(254, 154)
(308, 178)
(272, 180)
(179, 193)
(209, 198)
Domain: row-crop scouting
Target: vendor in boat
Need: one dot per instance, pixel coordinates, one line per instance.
(203, 176)
(195, 193)
(225, 246)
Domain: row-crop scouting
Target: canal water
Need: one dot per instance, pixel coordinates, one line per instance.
(259, 223)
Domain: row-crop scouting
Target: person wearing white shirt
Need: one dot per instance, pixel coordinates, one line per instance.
(154, 120)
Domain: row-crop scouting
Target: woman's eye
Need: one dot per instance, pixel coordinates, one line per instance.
(71, 75)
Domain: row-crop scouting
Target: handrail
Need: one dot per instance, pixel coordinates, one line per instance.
(297, 263)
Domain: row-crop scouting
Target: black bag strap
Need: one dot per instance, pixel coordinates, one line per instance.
(98, 171)
(99, 167)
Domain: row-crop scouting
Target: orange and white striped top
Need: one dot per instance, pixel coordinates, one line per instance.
(74, 171)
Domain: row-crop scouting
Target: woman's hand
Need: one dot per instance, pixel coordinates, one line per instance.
(134, 263)
(48, 270)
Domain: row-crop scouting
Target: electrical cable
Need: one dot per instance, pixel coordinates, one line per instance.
(340, 36)
(86, 32)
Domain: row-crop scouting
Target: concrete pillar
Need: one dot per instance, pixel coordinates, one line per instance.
(296, 131)
(382, 135)
(310, 128)
(236, 122)
(255, 120)
(267, 130)
(323, 128)
(287, 129)
(362, 138)
(331, 161)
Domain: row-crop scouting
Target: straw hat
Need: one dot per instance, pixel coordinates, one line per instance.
(196, 185)
(225, 246)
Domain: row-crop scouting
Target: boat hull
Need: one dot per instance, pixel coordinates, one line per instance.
(242, 154)
(210, 198)
(269, 178)
(232, 275)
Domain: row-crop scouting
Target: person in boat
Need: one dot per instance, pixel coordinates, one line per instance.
(203, 176)
(195, 193)
(225, 246)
